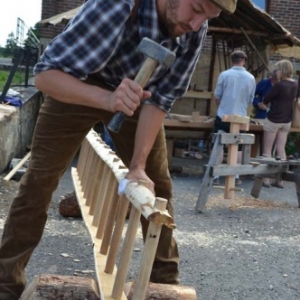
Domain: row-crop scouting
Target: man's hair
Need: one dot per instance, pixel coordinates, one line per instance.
(237, 56)
(285, 67)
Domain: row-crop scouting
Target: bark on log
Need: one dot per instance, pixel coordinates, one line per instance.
(157, 291)
(50, 287)
(69, 207)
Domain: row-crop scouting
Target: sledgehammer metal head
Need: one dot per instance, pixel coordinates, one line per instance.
(155, 54)
(154, 50)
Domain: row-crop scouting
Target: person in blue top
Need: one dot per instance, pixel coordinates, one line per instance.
(263, 87)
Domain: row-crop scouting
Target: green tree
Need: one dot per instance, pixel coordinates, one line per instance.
(33, 34)
(11, 45)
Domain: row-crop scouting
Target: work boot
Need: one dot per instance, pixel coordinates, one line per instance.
(165, 273)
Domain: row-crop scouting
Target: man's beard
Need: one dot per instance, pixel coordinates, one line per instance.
(172, 17)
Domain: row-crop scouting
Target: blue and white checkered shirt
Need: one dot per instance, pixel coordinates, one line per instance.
(235, 89)
(102, 39)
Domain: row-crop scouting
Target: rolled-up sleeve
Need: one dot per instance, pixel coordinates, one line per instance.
(252, 93)
(219, 87)
(174, 83)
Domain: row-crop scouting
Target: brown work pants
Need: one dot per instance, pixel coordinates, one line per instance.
(59, 132)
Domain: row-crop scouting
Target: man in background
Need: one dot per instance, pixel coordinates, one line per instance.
(234, 92)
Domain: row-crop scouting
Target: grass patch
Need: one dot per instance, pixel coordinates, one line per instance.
(19, 78)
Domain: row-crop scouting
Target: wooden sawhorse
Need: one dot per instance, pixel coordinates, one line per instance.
(212, 169)
(259, 167)
(280, 171)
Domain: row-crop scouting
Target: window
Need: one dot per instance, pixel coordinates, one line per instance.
(260, 3)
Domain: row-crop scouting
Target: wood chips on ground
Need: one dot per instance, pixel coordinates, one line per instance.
(241, 201)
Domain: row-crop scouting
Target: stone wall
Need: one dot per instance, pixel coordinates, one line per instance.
(16, 127)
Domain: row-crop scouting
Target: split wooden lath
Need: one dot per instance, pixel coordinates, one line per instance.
(96, 180)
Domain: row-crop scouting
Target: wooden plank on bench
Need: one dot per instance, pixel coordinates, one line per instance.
(225, 170)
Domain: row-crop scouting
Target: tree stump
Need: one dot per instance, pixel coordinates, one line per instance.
(69, 207)
(157, 291)
(50, 287)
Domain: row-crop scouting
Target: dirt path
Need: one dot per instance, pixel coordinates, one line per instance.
(241, 249)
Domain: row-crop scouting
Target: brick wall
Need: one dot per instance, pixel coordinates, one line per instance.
(286, 12)
(51, 8)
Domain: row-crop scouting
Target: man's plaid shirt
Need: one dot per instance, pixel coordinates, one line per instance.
(102, 39)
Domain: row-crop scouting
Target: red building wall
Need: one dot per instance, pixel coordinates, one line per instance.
(51, 8)
(286, 12)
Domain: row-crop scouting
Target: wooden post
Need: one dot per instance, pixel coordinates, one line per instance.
(148, 254)
(235, 126)
(258, 181)
(126, 253)
(17, 167)
(117, 234)
(232, 156)
(207, 180)
(297, 184)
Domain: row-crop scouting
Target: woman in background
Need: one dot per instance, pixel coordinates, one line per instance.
(263, 87)
(278, 122)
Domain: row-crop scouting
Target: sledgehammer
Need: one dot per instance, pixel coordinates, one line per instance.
(155, 54)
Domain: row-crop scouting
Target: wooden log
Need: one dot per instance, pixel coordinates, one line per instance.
(163, 291)
(143, 199)
(48, 287)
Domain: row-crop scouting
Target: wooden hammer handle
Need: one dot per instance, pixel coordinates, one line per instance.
(141, 78)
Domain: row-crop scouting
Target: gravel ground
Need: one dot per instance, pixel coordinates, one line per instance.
(237, 249)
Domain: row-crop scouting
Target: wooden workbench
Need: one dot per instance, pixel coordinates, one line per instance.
(187, 127)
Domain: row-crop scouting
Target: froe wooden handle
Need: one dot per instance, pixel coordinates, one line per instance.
(141, 78)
